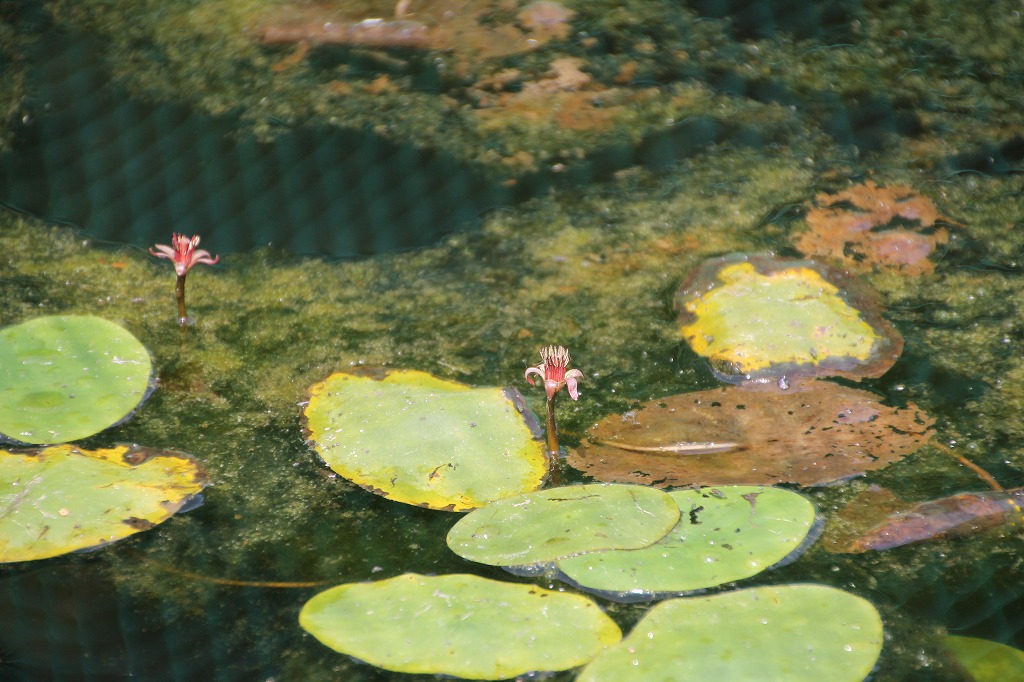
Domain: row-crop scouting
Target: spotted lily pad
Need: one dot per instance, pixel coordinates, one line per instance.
(559, 522)
(987, 661)
(814, 433)
(59, 499)
(63, 378)
(724, 534)
(795, 633)
(418, 439)
(755, 317)
(460, 625)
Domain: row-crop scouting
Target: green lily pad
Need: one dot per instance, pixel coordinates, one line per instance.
(60, 499)
(724, 534)
(418, 439)
(795, 633)
(560, 522)
(755, 317)
(987, 661)
(460, 625)
(63, 378)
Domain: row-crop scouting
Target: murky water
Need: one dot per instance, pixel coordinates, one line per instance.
(580, 235)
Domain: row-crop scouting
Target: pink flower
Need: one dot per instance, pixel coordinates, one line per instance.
(555, 360)
(184, 254)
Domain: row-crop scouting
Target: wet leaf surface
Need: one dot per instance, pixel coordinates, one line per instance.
(724, 534)
(422, 440)
(460, 625)
(63, 378)
(60, 499)
(813, 434)
(560, 522)
(791, 632)
(755, 317)
(987, 661)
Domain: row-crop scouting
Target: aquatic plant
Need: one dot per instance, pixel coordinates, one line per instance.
(795, 633)
(554, 360)
(422, 440)
(459, 625)
(183, 254)
(814, 433)
(66, 377)
(757, 318)
(62, 498)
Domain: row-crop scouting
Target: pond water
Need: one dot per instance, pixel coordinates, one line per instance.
(451, 208)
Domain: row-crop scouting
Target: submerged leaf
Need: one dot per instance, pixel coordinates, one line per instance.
(59, 499)
(812, 434)
(755, 318)
(869, 227)
(63, 378)
(987, 661)
(876, 520)
(724, 534)
(460, 625)
(560, 522)
(418, 439)
(795, 633)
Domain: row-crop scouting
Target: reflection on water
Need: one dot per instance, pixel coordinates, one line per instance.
(779, 116)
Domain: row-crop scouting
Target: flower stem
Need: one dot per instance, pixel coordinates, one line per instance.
(552, 430)
(179, 290)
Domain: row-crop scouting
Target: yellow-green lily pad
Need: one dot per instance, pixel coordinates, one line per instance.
(756, 317)
(66, 377)
(460, 625)
(796, 633)
(60, 499)
(724, 534)
(985, 660)
(418, 439)
(560, 522)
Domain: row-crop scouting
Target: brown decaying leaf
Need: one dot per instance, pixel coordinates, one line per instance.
(812, 434)
(876, 519)
(869, 227)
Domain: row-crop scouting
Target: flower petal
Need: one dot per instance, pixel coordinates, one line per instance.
(539, 371)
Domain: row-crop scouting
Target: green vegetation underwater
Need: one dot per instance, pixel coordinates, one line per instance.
(417, 198)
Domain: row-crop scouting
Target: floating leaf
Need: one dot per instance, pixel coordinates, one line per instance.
(876, 519)
(755, 317)
(724, 534)
(987, 661)
(560, 522)
(868, 227)
(460, 625)
(418, 439)
(816, 432)
(59, 499)
(63, 378)
(791, 632)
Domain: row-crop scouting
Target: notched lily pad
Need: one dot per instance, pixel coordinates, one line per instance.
(724, 534)
(422, 440)
(813, 434)
(757, 318)
(559, 522)
(63, 378)
(795, 633)
(460, 625)
(59, 499)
